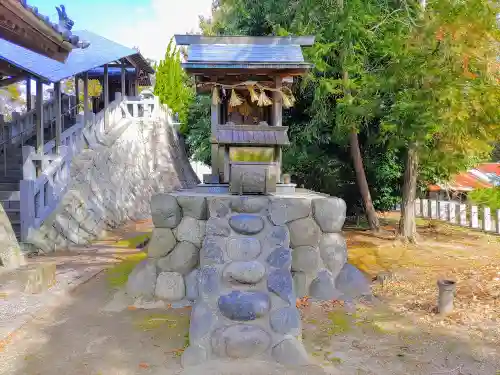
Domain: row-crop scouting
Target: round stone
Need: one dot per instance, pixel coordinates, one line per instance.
(208, 281)
(142, 280)
(162, 242)
(305, 259)
(352, 283)
(219, 207)
(280, 258)
(240, 341)
(191, 230)
(243, 248)
(191, 281)
(280, 283)
(250, 272)
(278, 236)
(284, 210)
(193, 355)
(246, 224)
(217, 227)
(170, 286)
(249, 205)
(290, 352)
(304, 232)
(212, 251)
(193, 206)
(323, 287)
(244, 306)
(286, 321)
(182, 259)
(333, 250)
(201, 322)
(329, 213)
(165, 211)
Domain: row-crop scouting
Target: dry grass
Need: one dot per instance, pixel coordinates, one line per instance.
(469, 257)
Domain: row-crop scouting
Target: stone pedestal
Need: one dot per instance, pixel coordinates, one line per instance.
(243, 261)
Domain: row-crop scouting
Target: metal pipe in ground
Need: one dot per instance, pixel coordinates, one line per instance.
(447, 289)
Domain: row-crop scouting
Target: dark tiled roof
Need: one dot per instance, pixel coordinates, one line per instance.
(100, 51)
(66, 35)
(245, 53)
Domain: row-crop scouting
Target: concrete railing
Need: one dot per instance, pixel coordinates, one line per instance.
(41, 194)
(464, 215)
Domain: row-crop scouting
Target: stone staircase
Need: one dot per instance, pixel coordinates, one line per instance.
(11, 176)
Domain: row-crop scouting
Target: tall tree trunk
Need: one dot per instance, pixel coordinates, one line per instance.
(407, 224)
(357, 160)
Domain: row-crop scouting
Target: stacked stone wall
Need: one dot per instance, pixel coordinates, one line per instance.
(113, 183)
(243, 261)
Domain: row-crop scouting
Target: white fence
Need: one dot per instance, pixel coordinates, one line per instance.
(464, 215)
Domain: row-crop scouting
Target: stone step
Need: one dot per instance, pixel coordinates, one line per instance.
(9, 186)
(10, 203)
(10, 195)
(31, 279)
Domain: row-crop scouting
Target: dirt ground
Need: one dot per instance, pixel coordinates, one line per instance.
(398, 334)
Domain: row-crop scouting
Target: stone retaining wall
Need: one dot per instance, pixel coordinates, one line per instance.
(244, 261)
(114, 182)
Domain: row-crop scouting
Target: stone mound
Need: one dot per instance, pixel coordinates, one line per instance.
(250, 367)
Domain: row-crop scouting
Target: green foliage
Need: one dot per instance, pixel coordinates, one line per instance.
(486, 197)
(172, 84)
(197, 129)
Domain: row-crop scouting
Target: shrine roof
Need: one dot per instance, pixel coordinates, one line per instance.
(240, 52)
(99, 52)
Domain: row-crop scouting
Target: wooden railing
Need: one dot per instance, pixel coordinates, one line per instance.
(462, 214)
(139, 107)
(41, 194)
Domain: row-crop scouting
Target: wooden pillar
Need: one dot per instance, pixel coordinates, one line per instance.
(29, 104)
(136, 87)
(106, 96)
(215, 146)
(77, 95)
(277, 113)
(123, 80)
(58, 115)
(39, 123)
(86, 109)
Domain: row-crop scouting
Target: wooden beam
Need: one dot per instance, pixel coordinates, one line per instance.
(11, 81)
(58, 114)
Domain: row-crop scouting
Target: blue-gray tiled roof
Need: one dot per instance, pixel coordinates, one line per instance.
(244, 53)
(101, 51)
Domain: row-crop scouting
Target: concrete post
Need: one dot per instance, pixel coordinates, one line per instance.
(498, 222)
(474, 217)
(418, 207)
(425, 208)
(446, 295)
(433, 209)
(463, 215)
(58, 115)
(452, 216)
(486, 219)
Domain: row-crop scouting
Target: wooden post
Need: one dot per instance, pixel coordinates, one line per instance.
(77, 96)
(39, 123)
(215, 146)
(123, 80)
(29, 104)
(277, 112)
(85, 98)
(58, 115)
(106, 96)
(486, 219)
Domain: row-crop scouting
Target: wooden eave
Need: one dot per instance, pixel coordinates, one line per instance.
(20, 26)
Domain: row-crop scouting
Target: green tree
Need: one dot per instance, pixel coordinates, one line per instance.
(172, 85)
(441, 91)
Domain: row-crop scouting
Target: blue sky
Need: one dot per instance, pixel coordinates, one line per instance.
(148, 24)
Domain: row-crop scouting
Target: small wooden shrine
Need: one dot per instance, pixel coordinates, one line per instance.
(249, 81)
